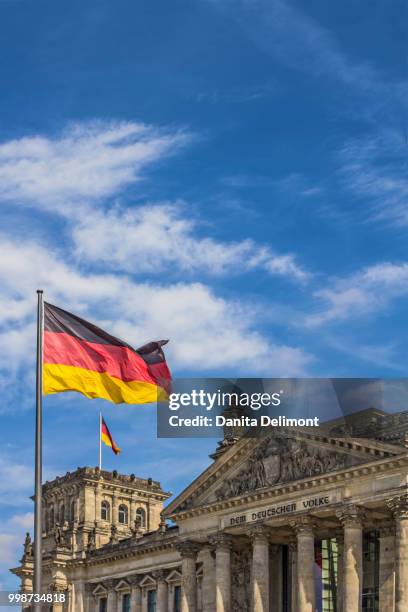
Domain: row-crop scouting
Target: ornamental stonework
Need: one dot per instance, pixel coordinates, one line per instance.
(278, 460)
(241, 580)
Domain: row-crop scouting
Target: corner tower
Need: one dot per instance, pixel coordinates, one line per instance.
(90, 507)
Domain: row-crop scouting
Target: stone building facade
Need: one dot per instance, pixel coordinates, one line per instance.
(289, 521)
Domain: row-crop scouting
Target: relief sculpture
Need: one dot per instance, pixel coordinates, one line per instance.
(241, 580)
(280, 460)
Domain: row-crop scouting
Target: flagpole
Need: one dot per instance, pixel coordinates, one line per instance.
(100, 441)
(38, 451)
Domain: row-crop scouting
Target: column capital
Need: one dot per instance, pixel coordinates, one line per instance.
(303, 524)
(292, 546)
(398, 505)
(351, 515)
(207, 547)
(221, 541)
(159, 575)
(188, 549)
(339, 533)
(110, 584)
(89, 588)
(258, 533)
(134, 580)
(386, 529)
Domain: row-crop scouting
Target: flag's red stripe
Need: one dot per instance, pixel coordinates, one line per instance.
(107, 433)
(118, 361)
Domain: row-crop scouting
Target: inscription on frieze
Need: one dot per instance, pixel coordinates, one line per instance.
(315, 502)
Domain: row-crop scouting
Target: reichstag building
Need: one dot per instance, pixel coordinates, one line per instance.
(290, 521)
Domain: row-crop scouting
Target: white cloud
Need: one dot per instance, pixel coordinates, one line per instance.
(374, 169)
(26, 521)
(364, 292)
(154, 238)
(206, 331)
(85, 163)
(297, 40)
(8, 547)
(16, 481)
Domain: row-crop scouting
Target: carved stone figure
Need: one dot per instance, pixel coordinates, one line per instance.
(278, 460)
(92, 540)
(241, 580)
(28, 546)
(58, 535)
(137, 526)
(113, 535)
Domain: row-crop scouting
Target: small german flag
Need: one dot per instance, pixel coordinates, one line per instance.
(78, 356)
(107, 438)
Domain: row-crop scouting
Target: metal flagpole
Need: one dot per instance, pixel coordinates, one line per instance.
(38, 452)
(100, 441)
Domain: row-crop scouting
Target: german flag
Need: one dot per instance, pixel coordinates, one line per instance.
(78, 356)
(107, 438)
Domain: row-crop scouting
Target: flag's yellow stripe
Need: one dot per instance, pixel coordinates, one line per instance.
(58, 378)
(106, 439)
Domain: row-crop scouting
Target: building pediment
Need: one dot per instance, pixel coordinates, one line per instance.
(258, 464)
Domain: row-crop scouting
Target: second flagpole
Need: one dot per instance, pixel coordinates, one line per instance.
(100, 441)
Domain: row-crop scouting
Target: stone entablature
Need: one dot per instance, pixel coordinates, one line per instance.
(320, 454)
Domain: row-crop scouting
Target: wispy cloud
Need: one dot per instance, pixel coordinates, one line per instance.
(237, 95)
(297, 40)
(374, 169)
(86, 162)
(155, 238)
(207, 331)
(366, 291)
(75, 176)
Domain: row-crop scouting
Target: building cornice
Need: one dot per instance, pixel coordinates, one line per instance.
(358, 447)
(337, 478)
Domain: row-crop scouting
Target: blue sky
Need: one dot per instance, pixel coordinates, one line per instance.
(230, 174)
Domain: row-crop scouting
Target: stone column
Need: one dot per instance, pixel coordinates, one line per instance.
(188, 551)
(58, 606)
(351, 517)
(144, 600)
(306, 595)
(98, 501)
(208, 582)
(170, 597)
(160, 577)
(260, 569)
(112, 596)
(340, 567)
(293, 575)
(275, 578)
(387, 567)
(223, 545)
(79, 599)
(119, 602)
(399, 507)
(115, 510)
(135, 594)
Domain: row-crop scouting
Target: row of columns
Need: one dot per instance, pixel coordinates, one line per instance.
(216, 582)
(393, 574)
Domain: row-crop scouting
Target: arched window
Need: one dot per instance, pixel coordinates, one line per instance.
(141, 517)
(105, 510)
(123, 514)
(62, 514)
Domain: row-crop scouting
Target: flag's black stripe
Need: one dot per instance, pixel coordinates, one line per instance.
(60, 321)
